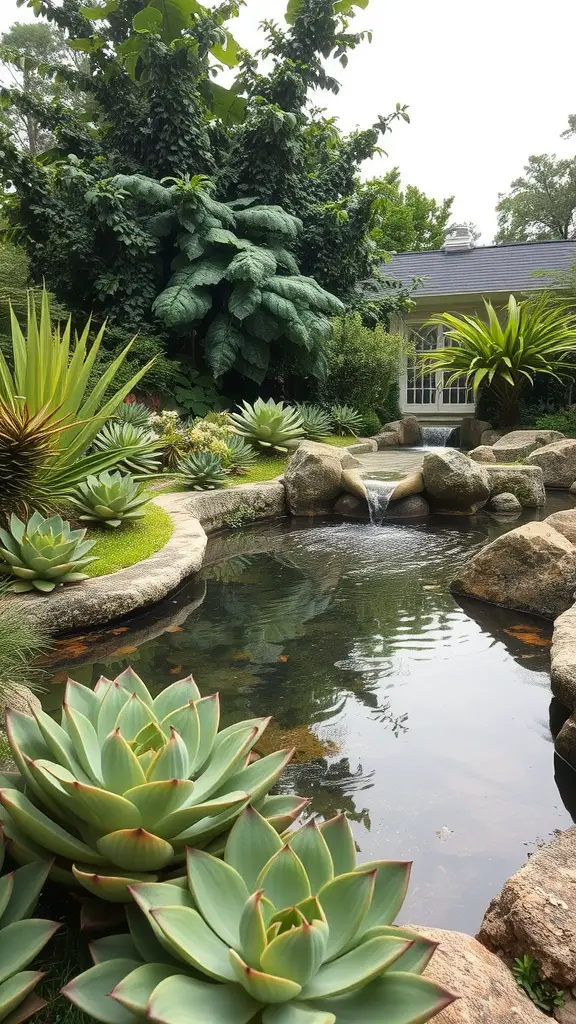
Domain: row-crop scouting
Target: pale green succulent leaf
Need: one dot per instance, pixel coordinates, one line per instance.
(82, 699)
(259, 776)
(107, 811)
(219, 892)
(143, 936)
(171, 761)
(134, 716)
(112, 703)
(208, 709)
(175, 696)
(390, 887)
(250, 845)
(396, 998)
(180, 820)
(297, 954)
(223, 764)
(312, 849)
(281, 811)
(345, 902)
(121, 769)
(113, 947)
(284, 879)
(44, 831)
(6, 887)
(187, 724)
(296, 1013)
(340, 842)
(21, 942)
(84, 740)
(181, 1000)
(112, 885)
(158, 800)
(150, 738)
(13, 992)
(266, 988)
(27, 885)
(132, 683)
(354, 969)
(90, 991)
(135, 850)
(252, 930)
(58, 742)
(194, 942)
(419, 954)
(134, 991)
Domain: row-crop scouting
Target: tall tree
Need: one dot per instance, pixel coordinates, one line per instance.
(541, 205)
(406, 220)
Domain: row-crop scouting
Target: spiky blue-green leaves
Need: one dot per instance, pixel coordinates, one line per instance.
(284, 931)
(144, 447)
(269, 425)
(316, 421)
(202, 471)
(346, 419)
(126, 781)
(43, 553)
(21, 940)
(111, 499)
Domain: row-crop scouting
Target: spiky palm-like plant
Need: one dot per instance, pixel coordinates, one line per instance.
(346, 420)
(316, 421)
(202, 471)
(27, 446)
(269, 425)
(126, 782)
(21, 940)
(111, 498)
(43, 553)
(284, 931)
(144, 447)
(505, 354)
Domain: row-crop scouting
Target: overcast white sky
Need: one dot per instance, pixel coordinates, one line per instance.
(487, 85)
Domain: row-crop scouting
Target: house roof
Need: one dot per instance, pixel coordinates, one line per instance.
(483, 269)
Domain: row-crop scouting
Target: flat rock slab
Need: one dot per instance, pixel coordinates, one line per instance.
(519, 443)
(531, 569)
(535, 914)
(214, 508)
(558, 463)
(563, 658)
(525, 482)
(488, 990)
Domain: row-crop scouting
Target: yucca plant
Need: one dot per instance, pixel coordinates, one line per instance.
(126, 782)
(269, 425)
(202, 471)
(285, 931)
(21, 940)
(346, 420)
(241, 455)
(316, 420)
(43, 553)
(144, 448)
(505, 354)
(133, 412)
(111, 498)
(27, 450)
(51, 372)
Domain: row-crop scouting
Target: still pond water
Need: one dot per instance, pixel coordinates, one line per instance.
(426, 719)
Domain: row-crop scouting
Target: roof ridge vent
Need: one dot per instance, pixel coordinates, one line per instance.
(459, 240)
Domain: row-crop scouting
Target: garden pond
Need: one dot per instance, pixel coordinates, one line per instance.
(425, 718)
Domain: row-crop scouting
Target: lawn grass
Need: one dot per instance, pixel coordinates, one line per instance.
(266, 467)
(129, 543)
(340, 442)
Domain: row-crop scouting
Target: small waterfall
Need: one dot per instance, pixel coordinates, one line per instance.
(379, 494)
(439, 437)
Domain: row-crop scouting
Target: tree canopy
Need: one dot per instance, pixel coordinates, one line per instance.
(406, 220)
(541, 205)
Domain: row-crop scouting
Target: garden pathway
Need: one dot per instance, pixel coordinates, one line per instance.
(392, 460)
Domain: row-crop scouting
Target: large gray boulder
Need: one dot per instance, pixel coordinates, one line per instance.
(490, 437)
(558, 463)
(489, 994)
(563, 659)
(531, 569)
(564, 522)
(453, 483)
(407, 430)
(505, 503)
(471, 431)
(483, 453)
(389, 438)
(525, 482)
(535, 914)
(520, 443)
(313, 477)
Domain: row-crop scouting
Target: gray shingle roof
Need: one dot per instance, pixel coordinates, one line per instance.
(490, 268)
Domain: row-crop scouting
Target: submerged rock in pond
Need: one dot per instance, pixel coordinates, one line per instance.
(505, 503)
(532, 569)
(413, 507)
(489, 994)
(313, 477)
(535, 914)
(525, 482)
(455, 484)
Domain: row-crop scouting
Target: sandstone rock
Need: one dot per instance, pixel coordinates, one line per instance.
(525, 482)
(352, 482)
(454, 483)
(573, 488)
(411, 484)
(484, 453)
(531, 569)
(505, 502)
(313, 477)
(369, 444)
(566, 1014)
(564, 522)
(471, 431)
(489, 994)
(535, 914)
(413, 507)
(563, 659)
(565, 741)
(407, 429)
(387, 439)
(518, 444)
(266, 500)
(490, 437)
(558, 462)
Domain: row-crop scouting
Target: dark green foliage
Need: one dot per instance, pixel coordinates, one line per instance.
(163, 376)
(528, 976)
(346, 420)
(316, 421)
(370, 423)
(541, 205)
(565, 422)
(363, 366)
(405, 220)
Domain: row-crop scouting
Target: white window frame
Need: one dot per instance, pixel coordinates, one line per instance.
(437, 402)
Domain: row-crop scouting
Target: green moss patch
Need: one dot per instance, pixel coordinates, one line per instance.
(340, 442)
(132, 542)
(267, 467)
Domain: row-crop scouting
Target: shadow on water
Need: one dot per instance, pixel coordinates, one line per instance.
(424, 718)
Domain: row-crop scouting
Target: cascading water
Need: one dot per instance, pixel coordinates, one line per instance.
(379, 494)
(437, 437)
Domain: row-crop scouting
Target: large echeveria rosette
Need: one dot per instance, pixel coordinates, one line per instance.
(126, 782)
(282, 931)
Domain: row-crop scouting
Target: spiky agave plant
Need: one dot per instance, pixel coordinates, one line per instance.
(202, 471)
(269, 425)
(43, 553)
(241, 455)
(285, 931)
(126, 782)
(346, 420)
(144, 456)
(316, 420)
(133, 412)
(21, 940)
(111, 498)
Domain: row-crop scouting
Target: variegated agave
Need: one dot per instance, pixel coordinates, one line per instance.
(127, 781)
(21, 940)
(282, 931)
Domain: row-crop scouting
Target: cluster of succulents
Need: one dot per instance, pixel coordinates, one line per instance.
(128, 781)
(111, 498)
(43, 553)
(269, 425)
(203, 451)
(280, 931)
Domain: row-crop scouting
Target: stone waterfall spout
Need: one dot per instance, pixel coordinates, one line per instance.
(352, 482)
